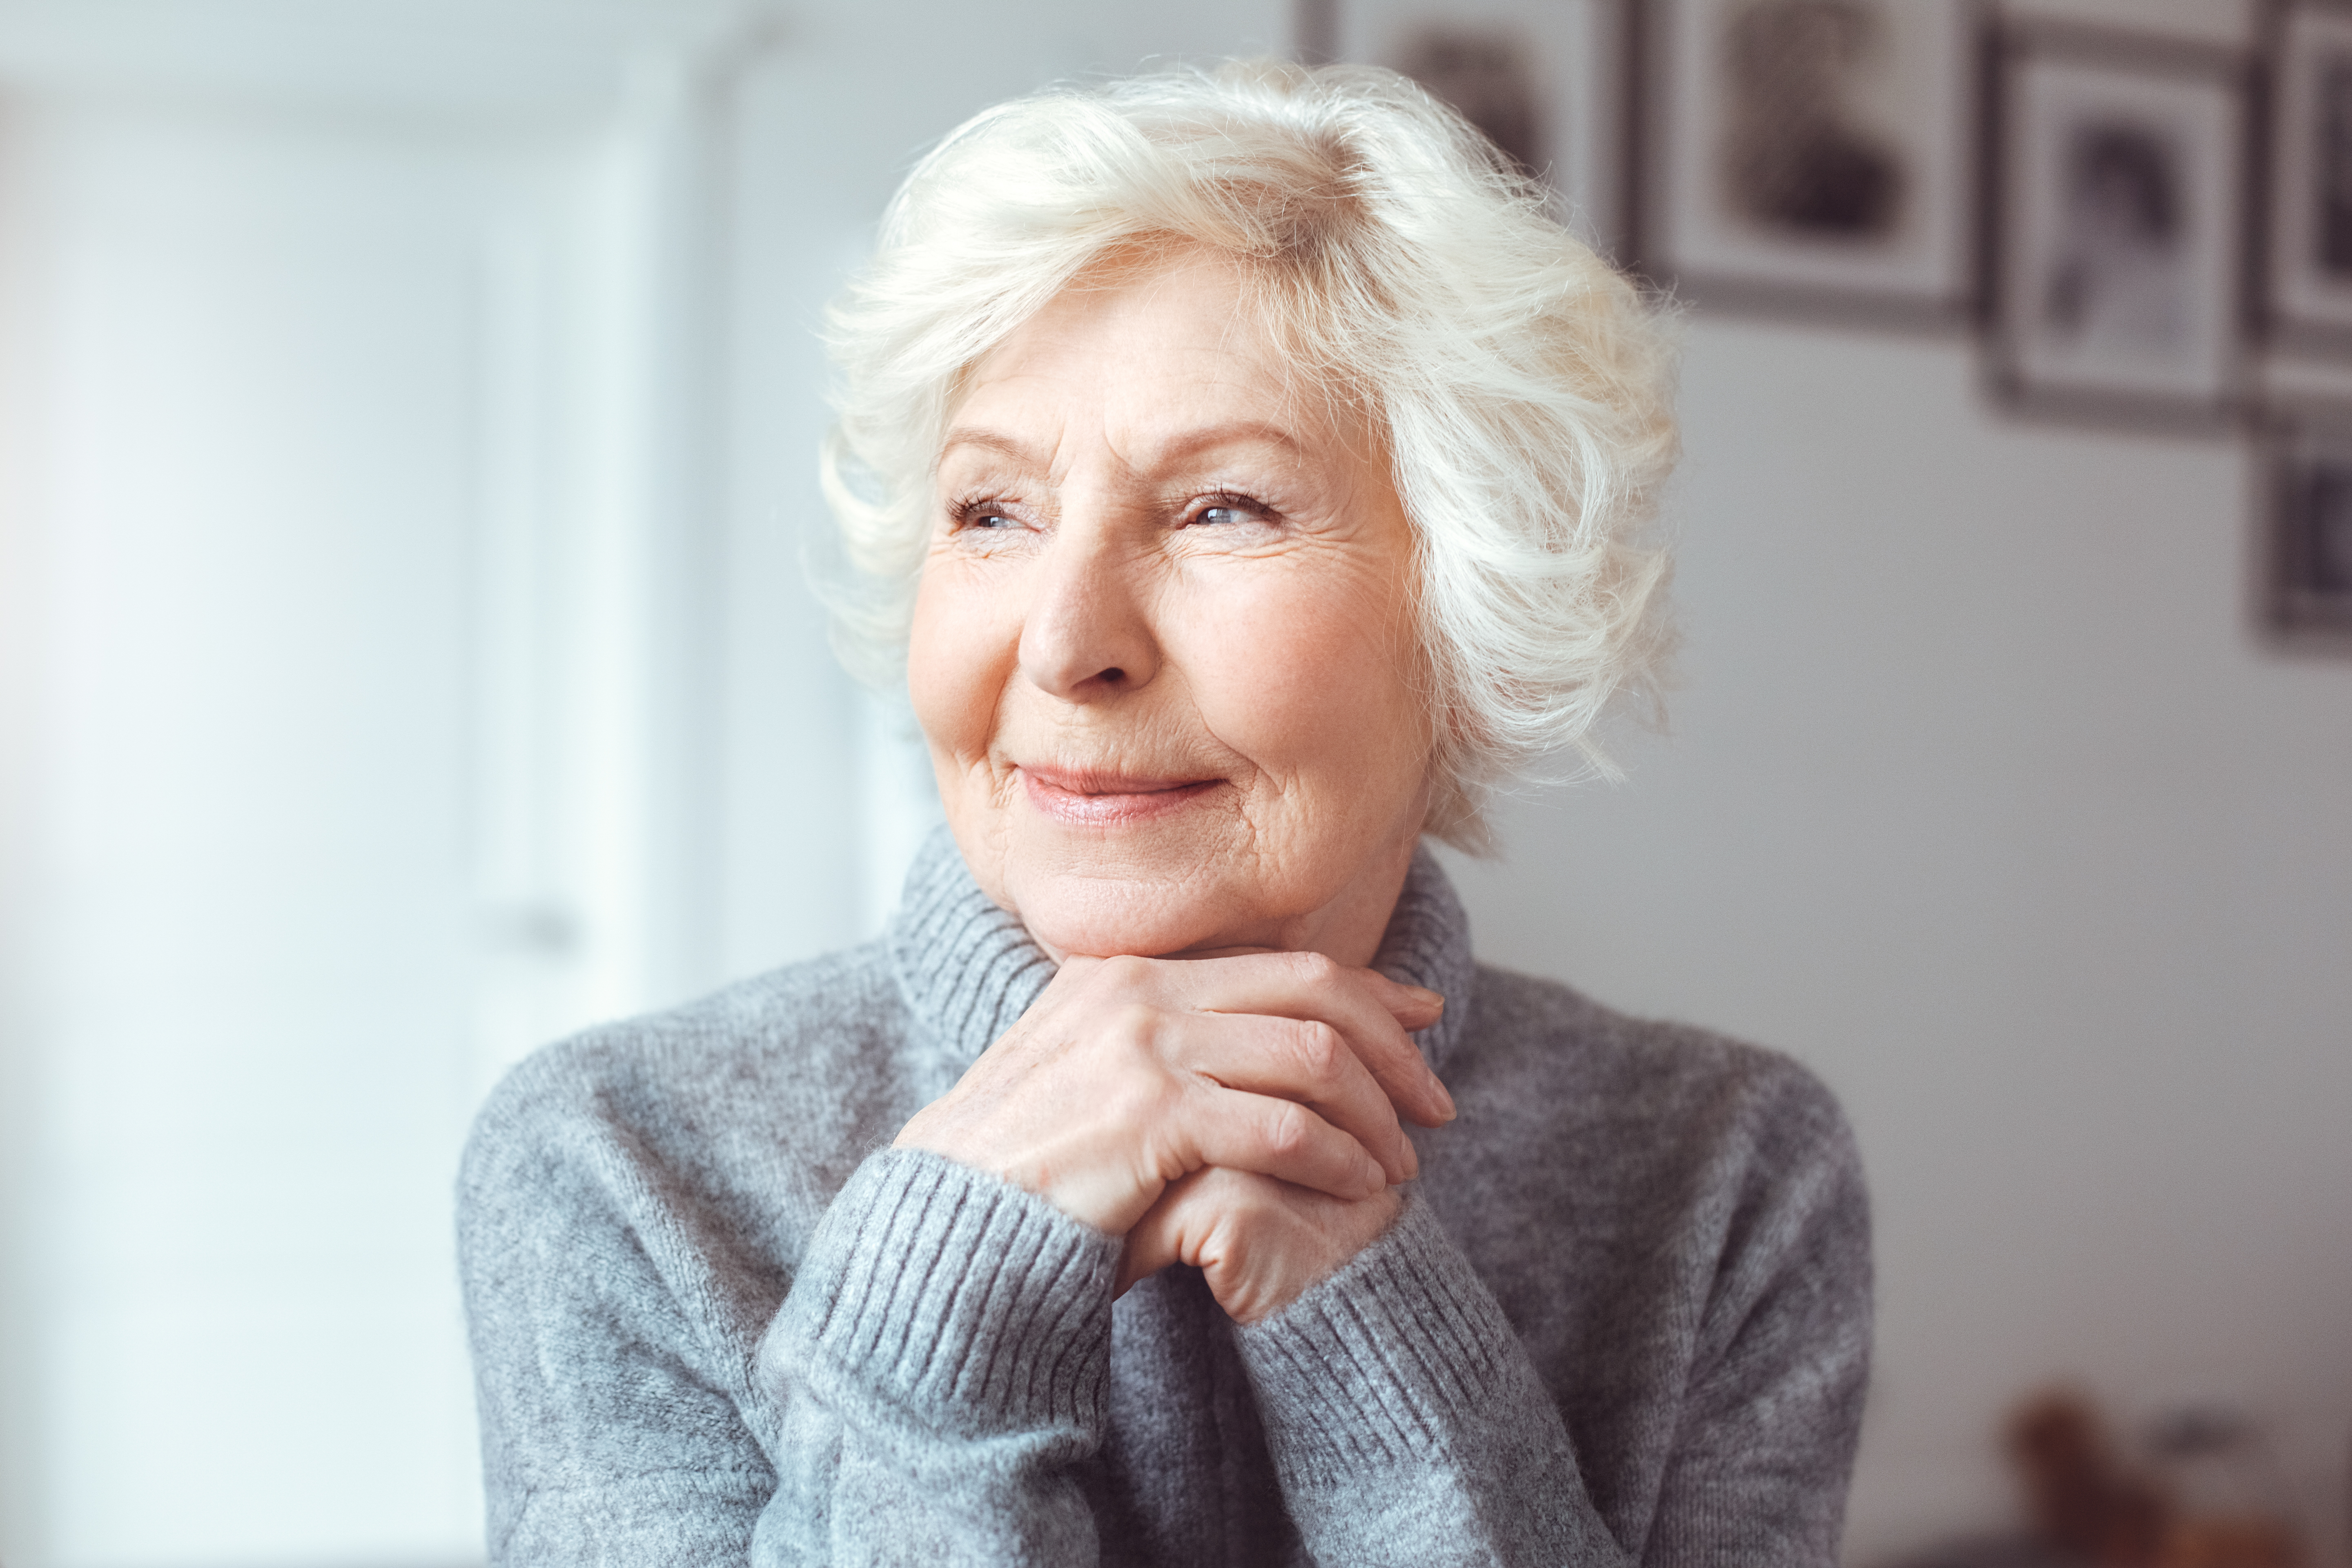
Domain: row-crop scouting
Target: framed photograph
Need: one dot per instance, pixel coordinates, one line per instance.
(2305, 561)
(2118, 225)
(1540, 76)
(2308, 270)
(1814, 157)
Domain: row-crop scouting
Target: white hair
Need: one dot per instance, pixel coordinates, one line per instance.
(1524, 388)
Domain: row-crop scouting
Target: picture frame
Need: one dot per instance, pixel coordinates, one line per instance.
(2303, 562)
(1540, 76)
(2116, 226)
(2306, 126)
(1808, 157)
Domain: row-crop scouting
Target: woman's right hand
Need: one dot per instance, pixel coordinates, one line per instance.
(1130, 1073)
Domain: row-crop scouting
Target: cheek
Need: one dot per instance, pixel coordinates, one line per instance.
(951, 662)
(1314, 685)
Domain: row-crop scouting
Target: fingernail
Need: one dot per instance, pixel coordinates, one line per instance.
(1445, 1098)
(1376, 1180)
(1412, 1160)
(1435, 998)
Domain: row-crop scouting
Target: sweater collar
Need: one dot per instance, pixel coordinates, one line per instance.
(968, 969)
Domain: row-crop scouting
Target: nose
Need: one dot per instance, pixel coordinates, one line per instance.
(1088, 634)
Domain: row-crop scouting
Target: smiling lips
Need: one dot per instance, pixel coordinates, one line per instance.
(1084, 799)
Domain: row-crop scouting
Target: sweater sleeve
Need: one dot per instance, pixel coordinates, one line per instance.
(1410, 1426)
(936, 1363)
(1406, 1422)
(941, 1362)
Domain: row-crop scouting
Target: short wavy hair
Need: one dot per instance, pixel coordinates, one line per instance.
(1524, 388)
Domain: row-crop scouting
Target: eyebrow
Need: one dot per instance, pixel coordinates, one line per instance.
(1236, 432)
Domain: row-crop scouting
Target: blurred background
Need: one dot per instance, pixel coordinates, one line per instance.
(407, 413)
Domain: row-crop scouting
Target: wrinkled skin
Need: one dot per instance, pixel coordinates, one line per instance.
(1165, 660)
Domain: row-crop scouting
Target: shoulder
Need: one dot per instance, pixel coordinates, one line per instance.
(631, 1207)
(1628, 1124)
(794, 1013)
(1532, 1036)
(768, 1083)
(1612, 1174)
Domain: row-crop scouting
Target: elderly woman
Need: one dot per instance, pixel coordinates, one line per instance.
(1249, 474)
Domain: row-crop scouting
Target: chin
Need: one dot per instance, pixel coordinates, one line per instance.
(1108, 915)
(1195, 880)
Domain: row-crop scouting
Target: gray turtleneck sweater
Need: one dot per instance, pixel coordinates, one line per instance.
(1624, 1316)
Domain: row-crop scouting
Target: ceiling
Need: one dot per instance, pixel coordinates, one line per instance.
(503, 59)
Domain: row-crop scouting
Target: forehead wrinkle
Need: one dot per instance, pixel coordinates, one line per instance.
(1245, 357)
(1002, 443)
(1144, 457)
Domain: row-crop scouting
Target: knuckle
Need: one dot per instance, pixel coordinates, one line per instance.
(1319, 1049)
(1286, 1129)
(1135, 1024)
(1314, 968)
(1227, 1238)
(1160, 1159)
(1126, 972)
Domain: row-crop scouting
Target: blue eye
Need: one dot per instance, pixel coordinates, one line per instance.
(1227, 511)
(980, 516)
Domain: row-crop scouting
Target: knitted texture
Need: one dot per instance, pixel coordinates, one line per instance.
(969, 1308)
(1623, 1317)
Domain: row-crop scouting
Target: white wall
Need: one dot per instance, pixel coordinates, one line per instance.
(245, 958)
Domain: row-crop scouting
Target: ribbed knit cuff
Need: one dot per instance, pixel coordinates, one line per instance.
(1393, 1359)
(960, 1301)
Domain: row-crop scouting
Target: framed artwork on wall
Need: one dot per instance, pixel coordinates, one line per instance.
(2305, 561)
(2308, 281)
(1809, 156)
(2117, 226)
(1538, 76)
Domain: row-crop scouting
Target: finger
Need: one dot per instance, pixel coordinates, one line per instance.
(1301, 1059)
(1371, 1011)
(1184, 1225)
(1156, 1240)
(1258, 1243)
(1268, 1137)
(1149, 1249)
(1413, 1007)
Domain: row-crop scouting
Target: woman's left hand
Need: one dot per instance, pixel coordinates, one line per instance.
(1261, 1243)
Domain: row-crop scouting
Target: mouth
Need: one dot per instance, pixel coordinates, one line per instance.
(1089, 799)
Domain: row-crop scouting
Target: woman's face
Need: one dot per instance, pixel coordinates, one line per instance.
(1164, 646)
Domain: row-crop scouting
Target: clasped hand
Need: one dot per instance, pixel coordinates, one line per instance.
(1236, 1113)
